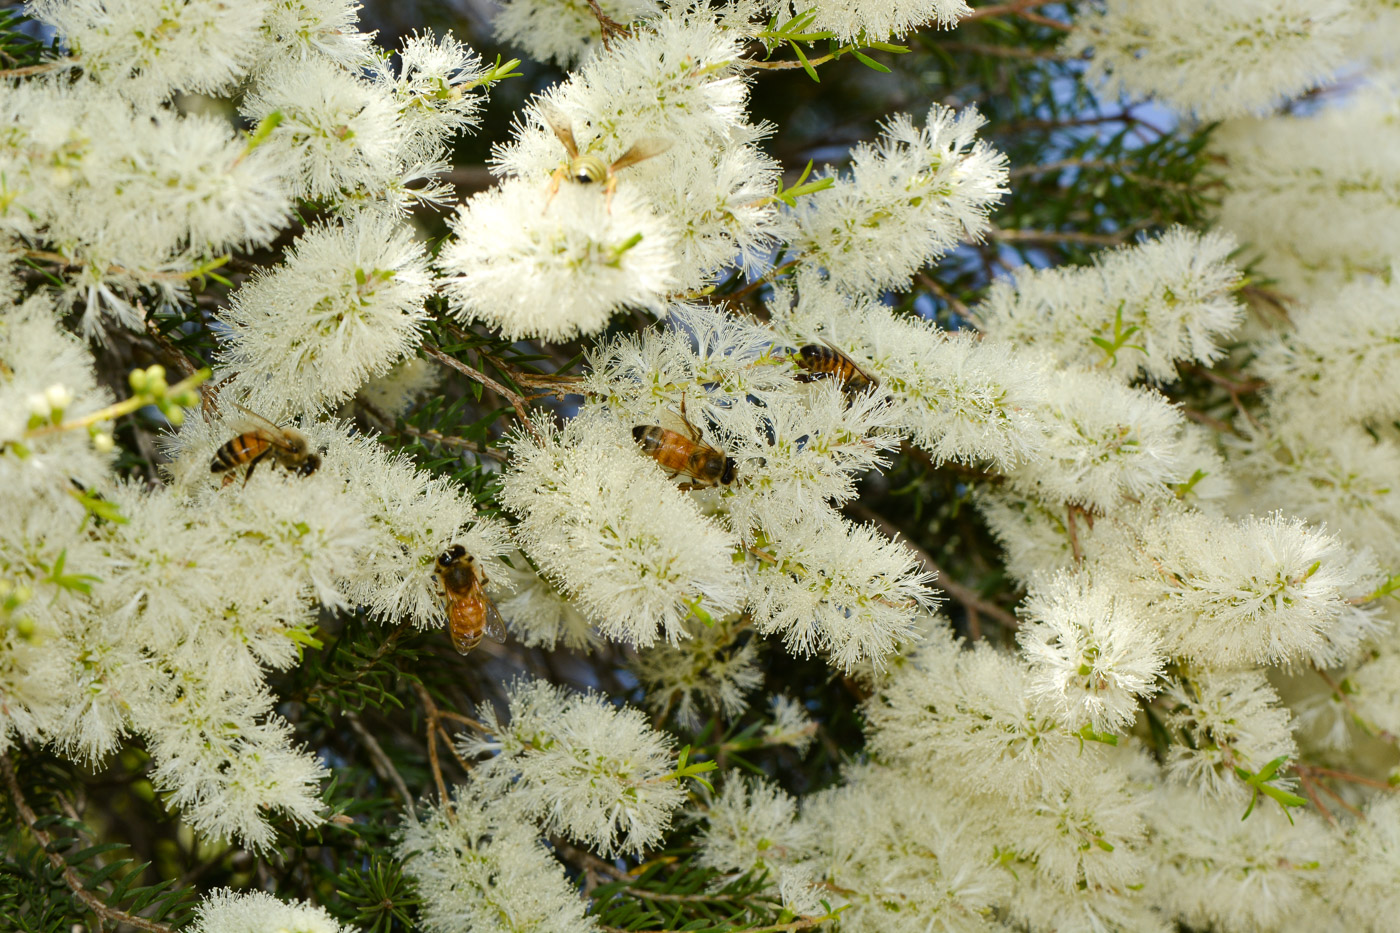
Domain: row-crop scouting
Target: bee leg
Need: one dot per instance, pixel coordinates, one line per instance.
(690, 428)
(252, 465)
(609, 190)
(553, 188)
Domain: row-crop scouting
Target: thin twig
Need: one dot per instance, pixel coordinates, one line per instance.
(608, 27)
(430, 712)
(41, 68)
(382, 765)
(1013, 8)
(959, 307)
(999, 51)
(1062, 236)
(517, 401)
(104, 912)
(1216, 424)
(1308, 788)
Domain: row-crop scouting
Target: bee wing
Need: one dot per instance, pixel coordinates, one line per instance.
(641, 150)
(847, 357)
(562, 129)
(495, 625)
(265, 429)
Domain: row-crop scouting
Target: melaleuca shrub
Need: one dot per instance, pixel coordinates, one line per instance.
(881, 466)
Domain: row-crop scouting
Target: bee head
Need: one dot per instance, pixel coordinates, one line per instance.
(639, 432)
(811, 353)
(726, 478)
(450, 556)
(310, 465)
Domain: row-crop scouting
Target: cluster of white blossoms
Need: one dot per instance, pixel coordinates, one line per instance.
(700, 505)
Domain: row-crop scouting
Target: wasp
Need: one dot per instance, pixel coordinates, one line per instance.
(288, 447)
(470, 612)
(824, 361)
(585, 168)
(689, 455)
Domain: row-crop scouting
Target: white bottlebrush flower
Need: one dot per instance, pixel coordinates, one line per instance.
(1340, 358)
(1037, 902)
(1091, 654)
(1373, 691)
(346, 305)
(228, 911)
(536, 266)
(1314, 191)
(1234, 594)
(1213, 60)
(399, 389)
(585, 768)
(720, 197)
(1228, 721)
(600, 518)
(434, 87)
(831, 586)
(336, 133)
(1327, 472)
(562, 31)
(902, 855)
(227, 770)
(974, 711)
(1087, 835)
(957, 397)
(791, 724)
(1136, 311)
(798, 453)
(83, 169)
(799, 892)
(146, 49)
(539, 615)
(1361, 876)
(1105, 442)
(479, 866)
(909, 198)
(1034, 536)
(715, 668)
(852, 21)
(676, 78)
(750, 826)
(302, 29)
(1216, 871)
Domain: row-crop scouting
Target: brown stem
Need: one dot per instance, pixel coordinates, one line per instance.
(608, 26)
(959, 307)
(40, 68)
(1013, 8)
(802, 923)
(1072, 528)
(382, 765)
(517, 401)
(104, 912)
(1215, 424)
(430, 712)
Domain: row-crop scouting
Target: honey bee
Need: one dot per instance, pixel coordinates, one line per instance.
(585, 168)
(470, 612)
(823, 361)
(288, 447)
(689, 455)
